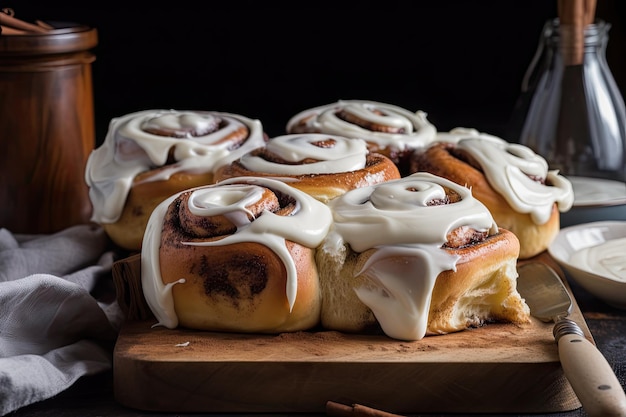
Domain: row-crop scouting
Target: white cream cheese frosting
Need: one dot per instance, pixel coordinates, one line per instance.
(607, 259)
(459, 133)
(416, 130)
(396, 218)
(509, 168)
(130, 148)
(308, 226)
(344, 155)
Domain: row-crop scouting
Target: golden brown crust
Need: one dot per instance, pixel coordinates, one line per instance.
(324, 187)
(127, 232)
(439, 159)
(235, 287)
(485, 281)
(482, 289)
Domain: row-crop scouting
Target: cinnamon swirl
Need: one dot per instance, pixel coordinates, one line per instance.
(149, 155)
(235, 256)
(510, 179)
(414, 257)
(324, 166)
(389, 130)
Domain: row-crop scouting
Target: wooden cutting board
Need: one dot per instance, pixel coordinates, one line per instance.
(495, 368)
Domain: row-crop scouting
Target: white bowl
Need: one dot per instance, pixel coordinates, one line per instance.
(571, 239)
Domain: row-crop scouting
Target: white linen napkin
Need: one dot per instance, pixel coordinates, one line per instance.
(58, 313)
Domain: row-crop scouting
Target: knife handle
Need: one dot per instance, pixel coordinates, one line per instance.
(588, 372)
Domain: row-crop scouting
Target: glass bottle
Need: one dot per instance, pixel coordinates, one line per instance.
(576, 117)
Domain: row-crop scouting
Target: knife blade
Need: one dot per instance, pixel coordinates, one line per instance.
(584, 366)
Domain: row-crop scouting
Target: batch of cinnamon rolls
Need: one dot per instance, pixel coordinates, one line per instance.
(362, 218)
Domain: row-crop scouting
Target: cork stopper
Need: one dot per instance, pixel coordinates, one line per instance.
(574, 17)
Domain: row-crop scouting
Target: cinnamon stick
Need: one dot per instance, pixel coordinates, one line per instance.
(589, 12)
(44, 25)
(334, 409)
(10, 21)
(572, 30)
(7, 30)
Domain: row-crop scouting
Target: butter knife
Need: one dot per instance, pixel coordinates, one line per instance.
(584, 366)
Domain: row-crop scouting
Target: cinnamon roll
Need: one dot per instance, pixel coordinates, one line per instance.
(415, 257)
(324, 166)
(149, 155)
(510, 179)
(389, 130)
(235, 256)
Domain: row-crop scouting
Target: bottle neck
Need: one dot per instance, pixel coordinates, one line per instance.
(573, 41)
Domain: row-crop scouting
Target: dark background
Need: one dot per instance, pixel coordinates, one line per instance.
(460, 61)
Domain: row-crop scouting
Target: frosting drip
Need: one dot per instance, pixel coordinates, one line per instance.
(407, 130)
(332, 154)
(132, 147)
(510, 168)
(397, 219)
(307, 225)
(397, 295)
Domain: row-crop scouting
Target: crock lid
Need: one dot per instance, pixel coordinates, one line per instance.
(64, 38)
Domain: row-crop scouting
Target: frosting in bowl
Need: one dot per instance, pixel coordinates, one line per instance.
(607, 259)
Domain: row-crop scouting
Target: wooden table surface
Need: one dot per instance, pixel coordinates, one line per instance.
(93, 396)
